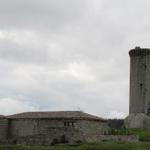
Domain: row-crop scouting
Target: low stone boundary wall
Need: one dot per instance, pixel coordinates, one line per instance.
(116, 138)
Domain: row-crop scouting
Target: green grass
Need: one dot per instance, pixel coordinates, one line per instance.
(144, 135)
(98, 146)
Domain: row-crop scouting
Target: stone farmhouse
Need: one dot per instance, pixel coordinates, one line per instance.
(45, 128)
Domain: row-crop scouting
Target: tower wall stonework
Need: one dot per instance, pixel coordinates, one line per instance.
(140, 81)
(139, 109)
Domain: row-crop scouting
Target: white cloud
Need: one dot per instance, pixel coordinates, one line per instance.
(10, 105)
(117, 115)
(2, 34)
(79, 71)
(19, 36)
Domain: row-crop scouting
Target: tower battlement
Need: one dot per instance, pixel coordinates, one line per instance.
(139, 51)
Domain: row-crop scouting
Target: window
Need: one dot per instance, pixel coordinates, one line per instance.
(69, 123)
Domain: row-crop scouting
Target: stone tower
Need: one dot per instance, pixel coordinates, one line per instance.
(139, 109)
(139, 80)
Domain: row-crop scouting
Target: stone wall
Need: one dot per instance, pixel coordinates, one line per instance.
(3, 130)
(137, 120)
(93, 127)
(46, 132)
(53, 136)
(117, 138)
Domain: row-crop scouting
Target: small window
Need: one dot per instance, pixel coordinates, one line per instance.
(65, 124)
(72, 123)
(69, 124)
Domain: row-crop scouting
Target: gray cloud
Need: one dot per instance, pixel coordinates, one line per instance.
(39, 14)
(61, 55)
(24, 54)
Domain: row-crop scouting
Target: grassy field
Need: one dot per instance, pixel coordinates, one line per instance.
(99, 146)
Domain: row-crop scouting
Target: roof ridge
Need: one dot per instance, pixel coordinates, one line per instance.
(56, 115)
(44, 112)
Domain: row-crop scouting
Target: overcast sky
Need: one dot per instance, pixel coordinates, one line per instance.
(69, 54)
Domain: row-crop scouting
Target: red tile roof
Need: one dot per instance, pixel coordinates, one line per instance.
(77, 115)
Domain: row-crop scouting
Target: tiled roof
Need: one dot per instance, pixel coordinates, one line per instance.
(1, 116)
(78, 115)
